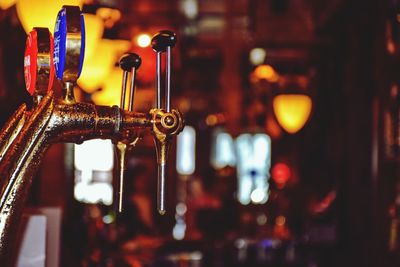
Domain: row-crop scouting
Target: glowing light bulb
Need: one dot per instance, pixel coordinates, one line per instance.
(143, 40)
(257, 56)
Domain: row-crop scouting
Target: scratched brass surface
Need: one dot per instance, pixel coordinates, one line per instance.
(11, 129)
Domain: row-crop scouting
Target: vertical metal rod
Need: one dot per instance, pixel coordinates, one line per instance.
(168, 80)
(158, 79)
(132, 91)
(161, 188)
(122, 150)
(123, 90)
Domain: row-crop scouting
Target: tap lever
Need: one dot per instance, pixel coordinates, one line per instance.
(129, 63)
(166, 123)
(163, 41)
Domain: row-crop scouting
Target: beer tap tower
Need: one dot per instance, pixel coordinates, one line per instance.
(28, 133)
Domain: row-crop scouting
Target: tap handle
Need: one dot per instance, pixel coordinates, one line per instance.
(69, 48)
(163, 41)
(38, 63)
(129, 63)
(69, 43)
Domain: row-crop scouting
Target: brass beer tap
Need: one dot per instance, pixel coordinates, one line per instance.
(129, 64)
(169, 120)
(52, 119)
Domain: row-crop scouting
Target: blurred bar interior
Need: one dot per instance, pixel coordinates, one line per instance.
(291, 151)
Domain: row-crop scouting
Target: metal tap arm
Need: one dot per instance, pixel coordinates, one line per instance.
(28, 134)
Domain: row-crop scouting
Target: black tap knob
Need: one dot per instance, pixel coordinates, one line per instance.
(162, 40)
(129, 61)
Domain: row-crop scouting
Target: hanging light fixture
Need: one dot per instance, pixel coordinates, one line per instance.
(96, 69)
(292, 111)
(41, 13)
(108, 96)
(94, 28)
(5, 4)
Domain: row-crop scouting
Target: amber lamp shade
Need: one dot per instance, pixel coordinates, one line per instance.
(292, 111)
(41, 13)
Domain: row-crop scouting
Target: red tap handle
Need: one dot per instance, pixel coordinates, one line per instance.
(38, 61)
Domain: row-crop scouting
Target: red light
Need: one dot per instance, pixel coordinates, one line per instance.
(281, 174)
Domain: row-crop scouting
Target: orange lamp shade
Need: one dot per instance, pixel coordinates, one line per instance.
(41, 13)
(94, 28)
(5, 4)
(97, 67)
(292, 111)
(266, 72)
(111, 93)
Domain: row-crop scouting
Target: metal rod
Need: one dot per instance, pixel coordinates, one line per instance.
(122, 150)
(123, 90)
(168, 80)
(132, 91)
(161, 188)
(158, 79)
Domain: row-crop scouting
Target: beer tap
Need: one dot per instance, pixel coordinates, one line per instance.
(169, 122)
(129, 64)
(54, 119)
(69, 49)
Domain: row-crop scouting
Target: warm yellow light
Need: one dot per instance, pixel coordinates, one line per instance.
(108, 15)
(96, 68)
(94, 29)
(257, 56)
(143, 40)
(292, 111)
(120, 46)
(5, 4)
(111, 92)
(266, 72)
(41, 13)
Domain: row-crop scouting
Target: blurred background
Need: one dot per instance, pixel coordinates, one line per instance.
(291, 151)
